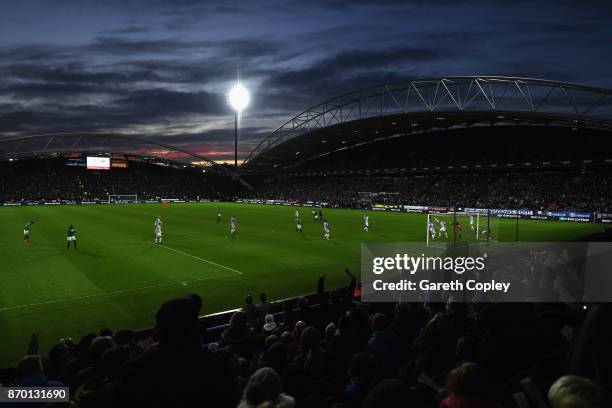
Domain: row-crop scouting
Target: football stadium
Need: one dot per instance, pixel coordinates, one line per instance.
(519, 190)
(308, 266)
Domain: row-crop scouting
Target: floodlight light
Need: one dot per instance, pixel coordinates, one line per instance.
(238, 97)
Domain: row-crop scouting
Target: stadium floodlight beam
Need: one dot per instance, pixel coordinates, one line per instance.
(239, 99)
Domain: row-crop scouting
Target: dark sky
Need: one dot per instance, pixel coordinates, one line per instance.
(162, 68)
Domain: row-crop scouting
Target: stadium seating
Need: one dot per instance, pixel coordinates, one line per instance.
(51, 179)
(559, 190)
(331, 350)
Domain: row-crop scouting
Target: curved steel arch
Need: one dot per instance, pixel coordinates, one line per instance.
(80, 138)
(444, 94)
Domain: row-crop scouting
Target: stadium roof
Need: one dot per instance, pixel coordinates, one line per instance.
(424, 105)
(102, 143)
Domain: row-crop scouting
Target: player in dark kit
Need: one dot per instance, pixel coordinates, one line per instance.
(71, 237)
(458, 229)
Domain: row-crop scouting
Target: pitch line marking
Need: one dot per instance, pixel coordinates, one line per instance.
(116, 292)
(201, 259)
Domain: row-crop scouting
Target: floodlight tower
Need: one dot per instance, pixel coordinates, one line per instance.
(239, 99)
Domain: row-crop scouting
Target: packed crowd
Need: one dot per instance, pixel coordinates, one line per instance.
(331, 350)
(573, 190)
(588, 191)
(51, 179)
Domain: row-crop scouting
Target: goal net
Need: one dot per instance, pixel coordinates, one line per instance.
(461, 228)
(122, 198)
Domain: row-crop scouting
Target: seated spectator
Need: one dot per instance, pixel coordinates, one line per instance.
(305, 373)
(331, 334)
(573, 391)
(467, 387)
(264, 387)
(271, 339)
(30, 374)
(238, 334)
(80, 360)
(270, 325)
(384, 343)
(98, 346)
(314, 355)
(389, 393)
(299, 328)
(98, 390)
(58, 357)
(362, 373)
(276, 356)
(289, 341)
(178, 372)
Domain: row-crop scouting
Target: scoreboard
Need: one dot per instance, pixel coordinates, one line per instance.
(98, 163)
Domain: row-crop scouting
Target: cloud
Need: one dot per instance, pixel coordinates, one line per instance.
(163, 103)
(351, 70)
(161, 68)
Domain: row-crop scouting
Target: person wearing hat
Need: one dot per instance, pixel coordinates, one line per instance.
(270, 325)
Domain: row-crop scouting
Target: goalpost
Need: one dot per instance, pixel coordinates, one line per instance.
(460, 228)
(122, 198)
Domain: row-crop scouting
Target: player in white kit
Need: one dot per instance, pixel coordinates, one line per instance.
(326, 229)
(158, 234)
(366, 222)
(472, 223)
(233, 226)
(158, 230)
(443, 228)
(298, 224)
(432, 230)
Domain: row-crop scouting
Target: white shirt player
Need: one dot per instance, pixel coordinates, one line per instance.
(472, 222)
(233, 225)
(298, 224)
(366, 222)
(326, 229)
(158, 233)
(432, 229)
(443, 228)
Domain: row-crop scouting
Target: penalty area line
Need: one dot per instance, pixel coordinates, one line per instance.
(201, 259)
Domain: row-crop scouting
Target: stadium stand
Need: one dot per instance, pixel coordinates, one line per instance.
(540, 168)
(51, 179)
(573, 190)
(329, 349)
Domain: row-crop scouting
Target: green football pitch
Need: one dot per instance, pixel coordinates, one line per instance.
(119, 277)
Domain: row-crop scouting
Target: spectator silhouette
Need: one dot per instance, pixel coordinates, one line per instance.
(264, 386)
(178, 372)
